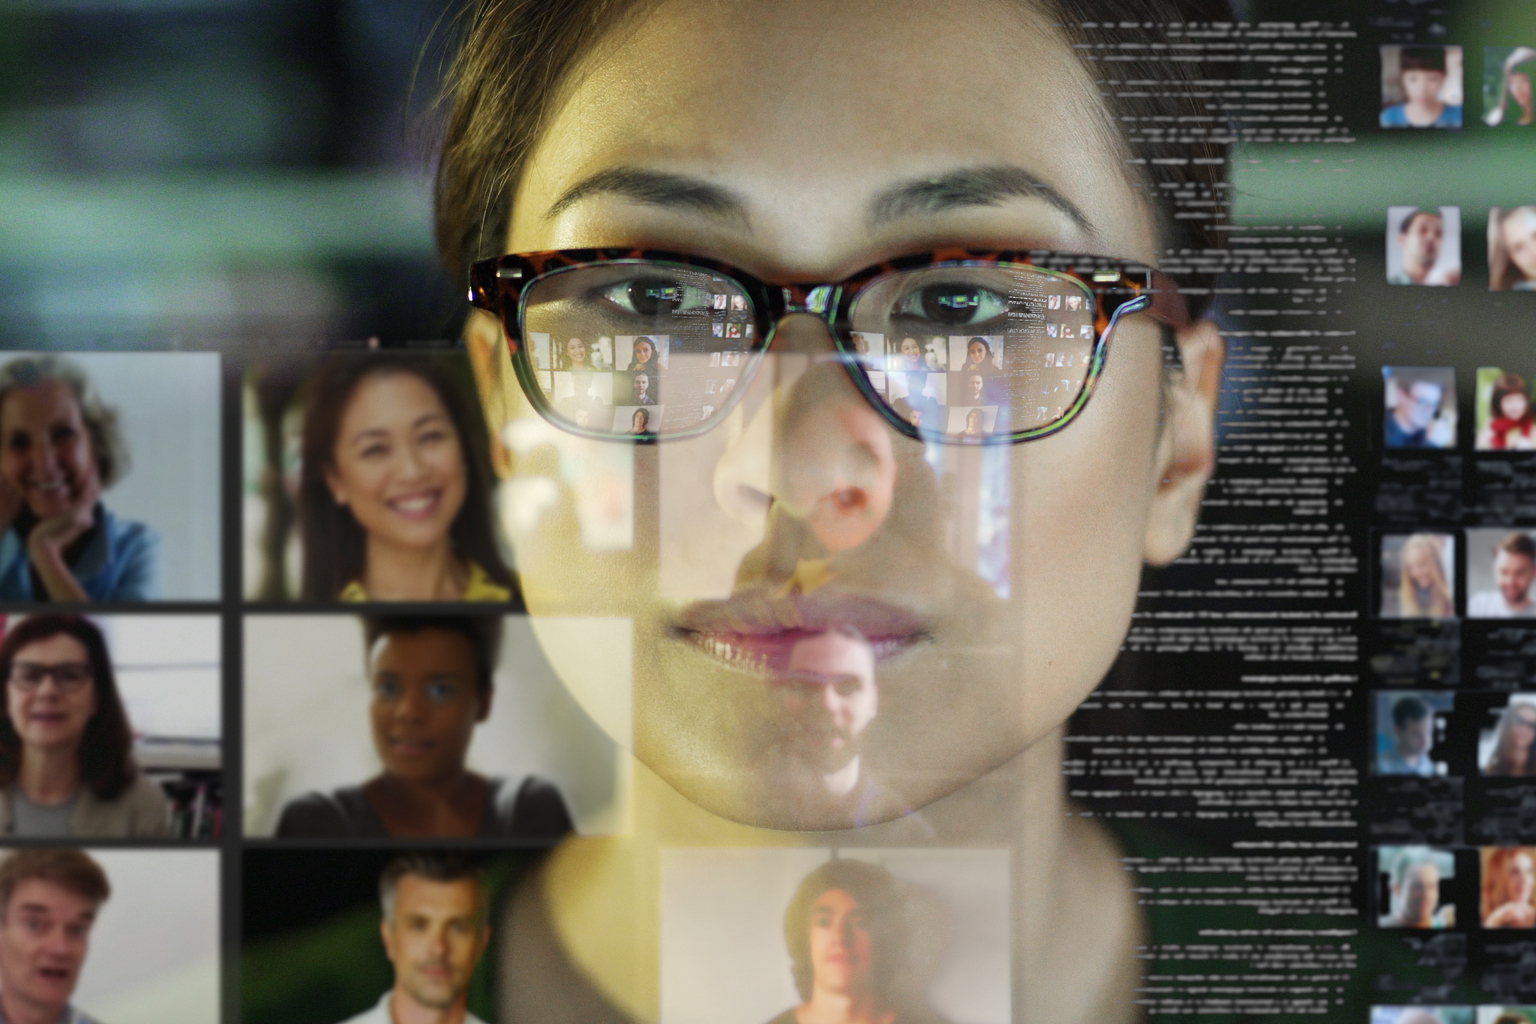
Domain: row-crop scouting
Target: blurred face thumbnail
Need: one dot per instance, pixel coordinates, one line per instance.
(1513, 574)
(43, 939)
(434, 939)
(425, 703)
(47, 455)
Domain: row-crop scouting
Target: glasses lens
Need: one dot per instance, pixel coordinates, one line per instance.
(980, 350)
(637, 348)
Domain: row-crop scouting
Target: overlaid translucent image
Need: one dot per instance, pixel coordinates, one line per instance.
(753, 935)
(1503, 408)
(1420, 406)
(1508, 72)
(446, 725)
(1424, 245)
(1501, 566)
(1418, 575)
(1506, 1015)
(1409, 725)
(1421, 87)
(1408, 887)
(109, 476)
(1507, 895)
(1505, 743)
(1423, 1015)
(112, 726)
(1512, 248)
(366, 478)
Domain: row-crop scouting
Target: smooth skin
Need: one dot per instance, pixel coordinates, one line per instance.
(790, 101)
(433, 939)
(842, 962)
(50, 721)
(48, 463)
(398, 467)
(44, 935)
(1517, 911)
(424, 711)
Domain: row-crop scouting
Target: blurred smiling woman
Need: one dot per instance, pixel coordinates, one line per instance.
(395, 494)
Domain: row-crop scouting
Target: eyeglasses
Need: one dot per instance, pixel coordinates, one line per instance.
(70, 676)
(959, 346)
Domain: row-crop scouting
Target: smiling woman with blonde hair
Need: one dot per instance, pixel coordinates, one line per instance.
(1423, 590)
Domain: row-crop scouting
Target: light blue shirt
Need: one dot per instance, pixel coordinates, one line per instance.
(1396, 117)
(121, 563)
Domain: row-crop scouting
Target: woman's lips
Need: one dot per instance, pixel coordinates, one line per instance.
(757, 633)
(416, 506)
(410, 747)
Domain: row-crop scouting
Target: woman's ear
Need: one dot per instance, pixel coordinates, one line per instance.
(484, 701)
(1186, 450)
(335, 486)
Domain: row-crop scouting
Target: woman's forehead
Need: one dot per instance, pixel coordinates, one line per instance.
(805, 133)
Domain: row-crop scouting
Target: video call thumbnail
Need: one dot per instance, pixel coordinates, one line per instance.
(1506, 745)
(1501, 566)
(1411, 887)
(109, 477)
(135, 701)
(1421, 86)
(1409, 725)
(1420, 406)
(1418, 575)
(747, 934)
(119, 935)
(1424, 245)
(328, 935)
(346, 716)
(367, 478)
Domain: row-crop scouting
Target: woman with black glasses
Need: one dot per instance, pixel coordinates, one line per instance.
(66, 748)
(993, 574)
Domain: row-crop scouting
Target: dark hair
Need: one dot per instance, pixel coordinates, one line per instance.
(1504, 385)
(1407, 222)
(107, 767)
(515, 55)
(335, 546)
(434, 866)
(1421, 58)
(980, 341)
(882, 910)
(645, 418)
(1517, 543)
(1409, 709)
(68, 868)
(482, 631)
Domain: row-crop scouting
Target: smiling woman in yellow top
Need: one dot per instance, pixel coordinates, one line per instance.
(394, 493)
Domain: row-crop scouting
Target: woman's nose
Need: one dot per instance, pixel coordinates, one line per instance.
(813, 449)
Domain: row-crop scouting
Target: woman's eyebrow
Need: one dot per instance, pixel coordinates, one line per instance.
(656, 188)
(967, 187)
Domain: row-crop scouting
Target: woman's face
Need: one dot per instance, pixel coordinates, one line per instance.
(54, 711)
(1520, 90)
(1514, 406)
(841, 949)
(47, 454)
(806, 511)
(637, 425)
(425, 703)
(1522, 729)
(398, 465)
(978, 352)
(643, 352)
(1519, 878)
(910, 348)
(1520, 240)
(576, 352)
(1420, 565)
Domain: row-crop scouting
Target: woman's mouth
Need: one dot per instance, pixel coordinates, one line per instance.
(420, 505)
(410, 747)
(758, 633)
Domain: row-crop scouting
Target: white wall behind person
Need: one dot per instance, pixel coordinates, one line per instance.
(168, 409)
(307, 727)
(723, 955)
(154, 947)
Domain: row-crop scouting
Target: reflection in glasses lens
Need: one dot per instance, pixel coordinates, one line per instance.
(966, 352)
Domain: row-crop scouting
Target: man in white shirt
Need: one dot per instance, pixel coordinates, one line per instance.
(436, 907)
(48, 902)
(1514, 569)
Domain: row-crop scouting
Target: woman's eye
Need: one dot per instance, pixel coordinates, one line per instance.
(18, 442)
(61, 435)
(952, 305)
(652, 297)
(441, 693)
(373, 451)
(386, 690)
